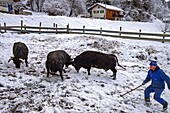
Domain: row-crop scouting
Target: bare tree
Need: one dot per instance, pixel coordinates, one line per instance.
(72, 7)
(77, 7)
(36, 5)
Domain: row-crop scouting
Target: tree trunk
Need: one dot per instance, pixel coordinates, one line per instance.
(72, 4)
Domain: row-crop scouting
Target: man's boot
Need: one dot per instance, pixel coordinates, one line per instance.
(147, 99)
(147, 102)
(165, 106)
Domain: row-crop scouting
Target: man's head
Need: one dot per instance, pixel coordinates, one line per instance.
(153, 65)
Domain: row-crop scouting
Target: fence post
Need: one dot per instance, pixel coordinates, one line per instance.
(40, 28)
(120, 31)
(56, 28)
(139, 32)
(0, 28)
(21, 24)
(54, 25)
(68, 29)
(163, 37)
(5, 27)
(101, 30)
(83, 29)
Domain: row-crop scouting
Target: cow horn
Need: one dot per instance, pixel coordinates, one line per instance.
(10, 59)
(22, 60)
(72, 59)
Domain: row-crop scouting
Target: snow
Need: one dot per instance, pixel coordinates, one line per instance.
(111, 7)
(29, 90)
(74, 22)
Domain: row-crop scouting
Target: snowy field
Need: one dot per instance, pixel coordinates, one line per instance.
(28, 90)
(75, 22)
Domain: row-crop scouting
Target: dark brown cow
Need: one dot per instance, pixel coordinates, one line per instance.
(95, 59)
(56, 61)
(20, 51)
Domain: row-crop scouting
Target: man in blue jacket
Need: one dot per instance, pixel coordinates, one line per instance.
(158, 78)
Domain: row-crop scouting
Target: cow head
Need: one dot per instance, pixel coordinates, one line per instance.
(70, 61)
(76, 65)
(77, 68)
(17, 61)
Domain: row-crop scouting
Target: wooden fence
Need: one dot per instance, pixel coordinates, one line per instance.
(162, 37)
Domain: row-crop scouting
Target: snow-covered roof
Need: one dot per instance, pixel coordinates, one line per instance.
(107, 7)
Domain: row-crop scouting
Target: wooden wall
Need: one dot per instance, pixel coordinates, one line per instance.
(112, 15)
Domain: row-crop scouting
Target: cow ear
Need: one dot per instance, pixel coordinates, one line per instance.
(20, 59)
(10, 59)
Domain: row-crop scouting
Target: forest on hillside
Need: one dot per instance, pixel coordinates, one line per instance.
(134, 10)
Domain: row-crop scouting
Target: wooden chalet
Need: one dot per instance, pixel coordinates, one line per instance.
(103, 11)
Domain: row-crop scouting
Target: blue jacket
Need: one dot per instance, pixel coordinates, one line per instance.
(158, 78)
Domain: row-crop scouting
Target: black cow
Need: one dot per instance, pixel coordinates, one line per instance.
(20, 51)
(95, 59)
(56, 61)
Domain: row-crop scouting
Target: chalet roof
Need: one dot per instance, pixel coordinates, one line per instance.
(110, 7)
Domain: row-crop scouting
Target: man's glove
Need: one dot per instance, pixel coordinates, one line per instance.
(143, 83)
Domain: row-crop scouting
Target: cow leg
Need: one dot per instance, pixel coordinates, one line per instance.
(88, 70)
(48, 72)
(64, 70)
(26, 62)
(114, 73)
(61, 75)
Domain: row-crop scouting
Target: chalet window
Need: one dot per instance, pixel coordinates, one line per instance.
(96, 11)
(3, 4)
(98, 7)
(101, 11)
(120, 16)
(114, 15)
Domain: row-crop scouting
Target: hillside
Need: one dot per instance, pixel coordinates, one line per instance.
(29, 90)
(134, 10)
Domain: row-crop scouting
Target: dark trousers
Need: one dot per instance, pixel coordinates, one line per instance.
(157, 95)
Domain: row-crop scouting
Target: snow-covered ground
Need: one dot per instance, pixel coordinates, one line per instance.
(74, 22)
(28, 90)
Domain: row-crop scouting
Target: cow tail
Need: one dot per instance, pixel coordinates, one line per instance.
(118, 63)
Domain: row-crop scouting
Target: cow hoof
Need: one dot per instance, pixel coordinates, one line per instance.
(114, 78)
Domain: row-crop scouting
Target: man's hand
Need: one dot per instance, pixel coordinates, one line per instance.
(143, 83)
